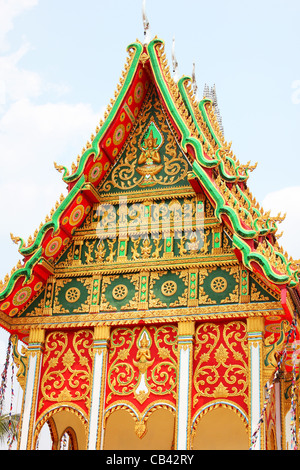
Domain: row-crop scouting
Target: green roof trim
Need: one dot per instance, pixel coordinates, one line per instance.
(221, 207)
(54, 222)
(250, 256)
(186, 136)
(25, 271)
(94, 149)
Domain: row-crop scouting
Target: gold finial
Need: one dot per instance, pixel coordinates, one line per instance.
(60, 168)
(16, 240)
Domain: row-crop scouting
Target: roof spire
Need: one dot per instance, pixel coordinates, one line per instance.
(194, 82)
(216, 107)
(206, 92)
(174, 61)
(211, 94)
(146, 24)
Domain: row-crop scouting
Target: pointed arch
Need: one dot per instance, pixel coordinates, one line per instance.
(220, 425)
(126, 428)
(62, 419)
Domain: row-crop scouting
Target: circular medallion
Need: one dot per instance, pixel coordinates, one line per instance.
(76, 215)
(273, 328)
(13, 312)
(218, 284)
(119, 134)
(169, 288)
(138, 92)
(38, 286)
(273, 318)
(72, 295)
(95, 172)
(5, 306)
(21, 296)
(119, 292)
(53, 246)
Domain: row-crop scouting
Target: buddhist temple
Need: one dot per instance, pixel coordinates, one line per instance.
(154, 308)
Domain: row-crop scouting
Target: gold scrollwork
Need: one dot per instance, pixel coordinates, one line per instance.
(221, 357)
(62, 379)
(153, 368)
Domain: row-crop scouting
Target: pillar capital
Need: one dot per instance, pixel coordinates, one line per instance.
(101, 332)
(36, 335)
(186, 328)
(255, 324)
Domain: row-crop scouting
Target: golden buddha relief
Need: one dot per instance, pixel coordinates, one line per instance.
(150, 157)
(150, 160)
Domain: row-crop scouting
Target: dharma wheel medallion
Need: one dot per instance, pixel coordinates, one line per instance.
(218, 284)
(72, 294)
(169, 288)
(119, 292)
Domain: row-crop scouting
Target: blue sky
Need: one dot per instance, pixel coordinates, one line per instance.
(60, 62)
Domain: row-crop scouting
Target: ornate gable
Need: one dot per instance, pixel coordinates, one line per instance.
(151, 162)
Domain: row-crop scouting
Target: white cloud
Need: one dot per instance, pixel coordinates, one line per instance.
(17, 83)
(33, 134)
(287, 201)
(9, 10)
(32, 137)
(37, 134)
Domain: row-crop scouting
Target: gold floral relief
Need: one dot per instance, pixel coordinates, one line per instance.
(169, 288)
(72, 295)
(142, 361)
(220, 358)
(66, 368)
(119, 292)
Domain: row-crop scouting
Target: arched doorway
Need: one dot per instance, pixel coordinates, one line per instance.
(68, 429)
(156, 431)
(271, 437)
(220, 428)
(68, 440)
(44, 440)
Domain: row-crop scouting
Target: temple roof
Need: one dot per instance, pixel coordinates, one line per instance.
(216, 172)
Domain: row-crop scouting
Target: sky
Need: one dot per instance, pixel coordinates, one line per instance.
(60, 63)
